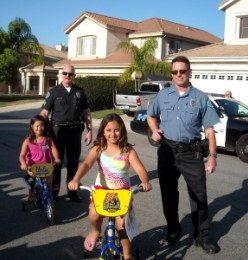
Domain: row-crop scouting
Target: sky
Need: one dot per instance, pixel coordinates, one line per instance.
(49, 18)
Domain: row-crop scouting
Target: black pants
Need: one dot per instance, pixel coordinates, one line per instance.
(170, 166)
(68, 141)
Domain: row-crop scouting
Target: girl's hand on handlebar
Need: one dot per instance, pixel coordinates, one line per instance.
(24, 167)
(146, 186)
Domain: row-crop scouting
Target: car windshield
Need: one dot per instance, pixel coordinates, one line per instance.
(232, 107)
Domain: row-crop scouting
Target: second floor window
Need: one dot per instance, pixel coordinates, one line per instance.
(87, 46)
(243, 27)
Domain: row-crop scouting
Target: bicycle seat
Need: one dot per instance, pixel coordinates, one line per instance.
(111, 203)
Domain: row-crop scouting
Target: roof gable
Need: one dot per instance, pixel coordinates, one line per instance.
(106, 21)
(226, 4)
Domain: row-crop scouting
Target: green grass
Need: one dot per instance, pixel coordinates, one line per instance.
(101, 113)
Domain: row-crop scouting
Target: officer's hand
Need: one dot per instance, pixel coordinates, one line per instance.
(157, 135)
(88, 137)
(73, 185)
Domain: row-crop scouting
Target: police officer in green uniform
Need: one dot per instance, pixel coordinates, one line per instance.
(184, 111)
(67, 107)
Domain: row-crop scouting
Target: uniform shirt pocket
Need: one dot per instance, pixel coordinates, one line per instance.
(167, 112)
(191, 115)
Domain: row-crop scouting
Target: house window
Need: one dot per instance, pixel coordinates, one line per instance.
(246, 78)
(213, 77)
(87, 46)
(204, 76)
(243, 27)
(174, 46)
(239, 77)
(33, 83)
(221, 77)
(229, 77)
(197, 76)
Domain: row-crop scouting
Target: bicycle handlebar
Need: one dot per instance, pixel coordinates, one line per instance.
(134, 190)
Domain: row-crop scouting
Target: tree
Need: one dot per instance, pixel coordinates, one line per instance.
(18, 47)
(144, 61)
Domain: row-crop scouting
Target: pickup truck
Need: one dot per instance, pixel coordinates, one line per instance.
(132, 102)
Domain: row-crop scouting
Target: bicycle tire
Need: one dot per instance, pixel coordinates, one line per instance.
(109, 256)
(49, 211)
(37, 203)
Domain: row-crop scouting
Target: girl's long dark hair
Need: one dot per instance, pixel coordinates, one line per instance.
(100, 140)
(31, 133)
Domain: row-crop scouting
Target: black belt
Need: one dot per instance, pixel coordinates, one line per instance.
(180, 147)
(68, 123)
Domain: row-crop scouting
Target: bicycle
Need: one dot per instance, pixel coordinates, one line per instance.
(111, 204)
(43, 197)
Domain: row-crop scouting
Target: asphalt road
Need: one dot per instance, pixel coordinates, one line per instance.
(26, 235)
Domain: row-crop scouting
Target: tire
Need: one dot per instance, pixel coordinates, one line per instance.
(150, 140)
(109, 256)
(23, 206)
(242, 148)
(136, 253)
(37, 203)
(49, 211)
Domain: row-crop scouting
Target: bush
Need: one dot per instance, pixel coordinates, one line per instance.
(100, 91)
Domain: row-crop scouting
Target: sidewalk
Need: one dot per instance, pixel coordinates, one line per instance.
(26, 110)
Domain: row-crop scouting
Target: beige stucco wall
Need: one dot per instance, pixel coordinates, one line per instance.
(88, 27)
(231, 32)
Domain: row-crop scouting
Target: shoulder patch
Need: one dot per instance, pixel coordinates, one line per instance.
(47, 95)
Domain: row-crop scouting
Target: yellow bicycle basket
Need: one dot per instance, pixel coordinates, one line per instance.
(42, 170)
(111, 203)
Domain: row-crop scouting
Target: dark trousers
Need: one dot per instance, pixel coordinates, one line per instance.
(170, 166)
(68, 142)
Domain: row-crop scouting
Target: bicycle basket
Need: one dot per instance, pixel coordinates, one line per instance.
(42, 169)
(111, 203)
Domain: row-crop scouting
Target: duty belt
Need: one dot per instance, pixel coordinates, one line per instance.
(68, 123)
(180, 147)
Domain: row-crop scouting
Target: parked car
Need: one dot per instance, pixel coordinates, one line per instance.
(231, 132)
(132, 102)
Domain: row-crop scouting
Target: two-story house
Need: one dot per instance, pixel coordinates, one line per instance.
(93, 40)
(224, 65)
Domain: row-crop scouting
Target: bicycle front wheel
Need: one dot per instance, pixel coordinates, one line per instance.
(109, 255)
(49, 211)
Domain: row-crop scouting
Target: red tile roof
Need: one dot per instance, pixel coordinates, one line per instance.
(171, 29)
(118, 58)
(217, 50)
(151, 25)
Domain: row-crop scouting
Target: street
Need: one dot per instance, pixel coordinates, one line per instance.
(26, 235)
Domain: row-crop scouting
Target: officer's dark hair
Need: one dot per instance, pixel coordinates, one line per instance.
(181, 59)
(101, 140)
(34, 119)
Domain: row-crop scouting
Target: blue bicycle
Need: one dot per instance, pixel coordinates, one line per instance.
(43, 197)
(111, 203)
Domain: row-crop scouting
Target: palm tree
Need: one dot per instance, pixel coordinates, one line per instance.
(144, 61)
(22, 44)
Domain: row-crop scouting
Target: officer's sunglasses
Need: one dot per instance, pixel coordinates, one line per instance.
(175, 72)
(68, 73)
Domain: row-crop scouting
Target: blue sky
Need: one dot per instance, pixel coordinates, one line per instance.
(49, 18)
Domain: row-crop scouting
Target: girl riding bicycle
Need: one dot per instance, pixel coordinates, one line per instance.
(37, 147)
(114, 156)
